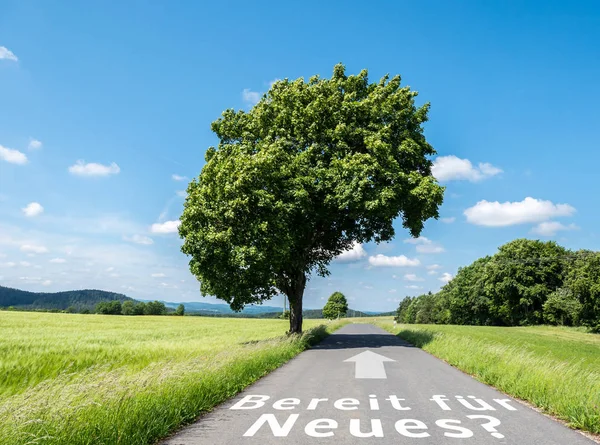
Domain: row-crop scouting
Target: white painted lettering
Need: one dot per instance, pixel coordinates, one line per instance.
(483, 406)
(256, 401)
(463, 434)
(504, 403)
(286, 404)
(313, 425)
(440, 400)
(276, 429)
(346, 404)
(395, 401)
(314, 402)
(373, 402)
(403, 426)
(376, 428)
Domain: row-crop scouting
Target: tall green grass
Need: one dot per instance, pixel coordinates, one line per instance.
(85, 379)
(555, 369)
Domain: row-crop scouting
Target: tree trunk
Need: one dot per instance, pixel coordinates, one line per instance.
(295, 298)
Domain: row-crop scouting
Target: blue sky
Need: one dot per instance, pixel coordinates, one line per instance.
(103, 103)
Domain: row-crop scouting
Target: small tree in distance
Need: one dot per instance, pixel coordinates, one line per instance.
(336, 306)
(180, 310)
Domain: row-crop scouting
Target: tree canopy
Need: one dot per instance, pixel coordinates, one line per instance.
(336, 306)
(311, 169)
(526, 282)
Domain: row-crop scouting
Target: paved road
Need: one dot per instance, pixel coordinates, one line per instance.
(392, 394)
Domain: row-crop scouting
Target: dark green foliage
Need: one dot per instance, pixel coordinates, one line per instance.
(583, 278)
(527, 282)
(313, 168)
(109, 307)
(562, 308)
(77, 299)
(180, 310)
(465, 298)
(155, 308)
(139, 308)
(336, 306)
(128, 308)
(519, 278)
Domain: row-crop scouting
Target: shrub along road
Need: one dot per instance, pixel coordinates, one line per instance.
(364, 385)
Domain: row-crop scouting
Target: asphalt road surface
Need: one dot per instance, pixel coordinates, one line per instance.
(362, 385)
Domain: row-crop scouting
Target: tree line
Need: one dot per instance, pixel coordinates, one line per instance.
(130, 307)
(527, 282)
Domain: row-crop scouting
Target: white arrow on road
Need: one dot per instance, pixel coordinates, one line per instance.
(369, 365)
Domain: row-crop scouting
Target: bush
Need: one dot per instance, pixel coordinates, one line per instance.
(155, 308)
(562, 308)
(109, 307)
(128, 308)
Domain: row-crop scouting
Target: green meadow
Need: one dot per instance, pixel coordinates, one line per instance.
(557, 369)
(90, 379)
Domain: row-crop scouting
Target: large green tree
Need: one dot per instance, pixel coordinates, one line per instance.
(336, 306)
(465, 295)
(519, 278)
(583, 280)
(311, 169)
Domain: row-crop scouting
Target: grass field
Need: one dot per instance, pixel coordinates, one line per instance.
(556, 369)
(90, 379)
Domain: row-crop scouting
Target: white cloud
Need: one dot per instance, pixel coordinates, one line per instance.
(550, 228)
(251, 97)
(530, 210)
(8, 264)
(412, 277)
(33, 248)
(7, 54)
(392, 291)
(33, 209)
(419, 240)
(34, 144)
(413, 286)
(110, 269)
(139, 239)
(432, 272)
(58, 260)
(134, 263)
(430, 248)
(446, 277)
(433, 267)
(80, 168)
(24, 263)
(448, 220)
(165, 227)
(450, 168)
(46, 283)
(354, 254)
(158, 275)
(425, 245)
(12, 156)
(394, 261)
(177, 177)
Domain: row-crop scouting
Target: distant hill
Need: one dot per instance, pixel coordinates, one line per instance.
(220, 308)
(254, 311)
(88, 298)
(79, 299)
